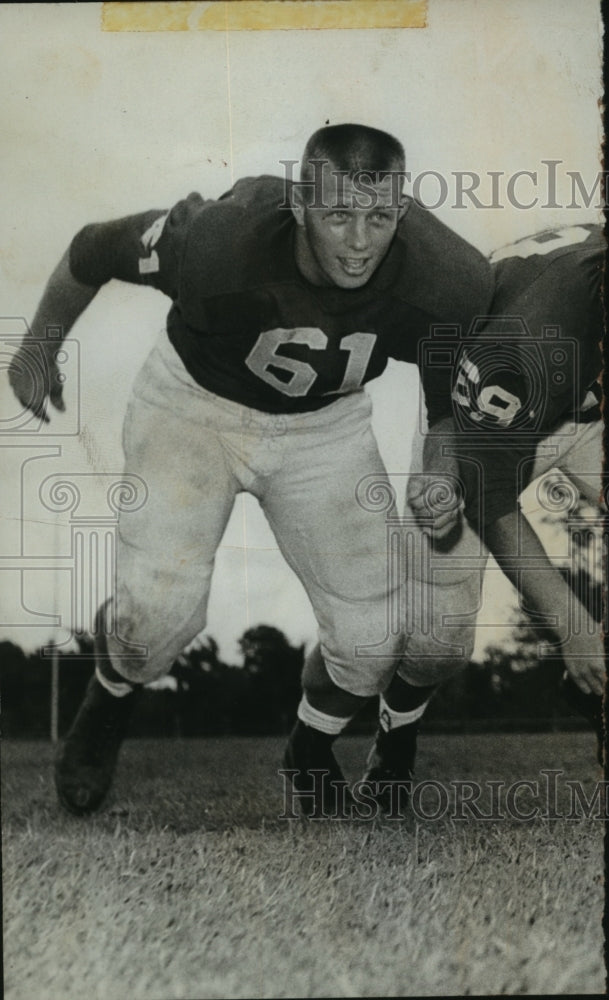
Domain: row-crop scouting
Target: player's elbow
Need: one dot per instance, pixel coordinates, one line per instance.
(90, 256)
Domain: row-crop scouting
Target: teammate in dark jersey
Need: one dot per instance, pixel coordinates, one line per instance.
(286, 300)
(526, 401)
(536, 365)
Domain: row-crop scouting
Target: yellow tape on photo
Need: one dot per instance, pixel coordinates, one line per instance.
(264, 15)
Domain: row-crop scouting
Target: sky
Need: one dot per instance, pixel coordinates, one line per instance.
(101, 124)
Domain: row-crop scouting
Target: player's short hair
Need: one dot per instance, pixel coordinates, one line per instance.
(354, 148)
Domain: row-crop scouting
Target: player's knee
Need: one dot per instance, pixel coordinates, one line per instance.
(428, 665)
(139, 662)
(142, 640)
(137, 669)
(364, 676)
(423, 673)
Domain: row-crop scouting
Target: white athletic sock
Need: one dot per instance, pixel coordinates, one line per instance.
(389, 719)
(118, 689)
(332, 725)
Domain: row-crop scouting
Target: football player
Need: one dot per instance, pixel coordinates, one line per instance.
(287, 298)
(526, 401)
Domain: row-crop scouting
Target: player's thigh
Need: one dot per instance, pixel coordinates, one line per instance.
(171, 441)
(166, 548)
(328, 507)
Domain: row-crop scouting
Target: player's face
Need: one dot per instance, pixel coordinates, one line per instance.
(343, 238)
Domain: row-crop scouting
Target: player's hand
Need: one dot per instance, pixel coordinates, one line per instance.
(436, 503)
(35, 378)
(584, 659)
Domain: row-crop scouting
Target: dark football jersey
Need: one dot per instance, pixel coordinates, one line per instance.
(249, 327)
(532, 365)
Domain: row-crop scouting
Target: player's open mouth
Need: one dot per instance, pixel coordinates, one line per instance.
(354, 266)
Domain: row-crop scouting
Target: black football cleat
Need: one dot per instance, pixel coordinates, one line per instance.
(588, 705)
(318, 783)
(390, 768)
(86, 761)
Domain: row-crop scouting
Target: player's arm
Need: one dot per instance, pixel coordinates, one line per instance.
(128, 249)
(547, 595)
(434, 495)
(33, 372)
(492, 486)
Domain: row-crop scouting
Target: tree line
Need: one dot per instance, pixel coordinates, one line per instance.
(205, 696)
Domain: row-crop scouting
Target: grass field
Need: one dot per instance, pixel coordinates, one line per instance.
(188, 885)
